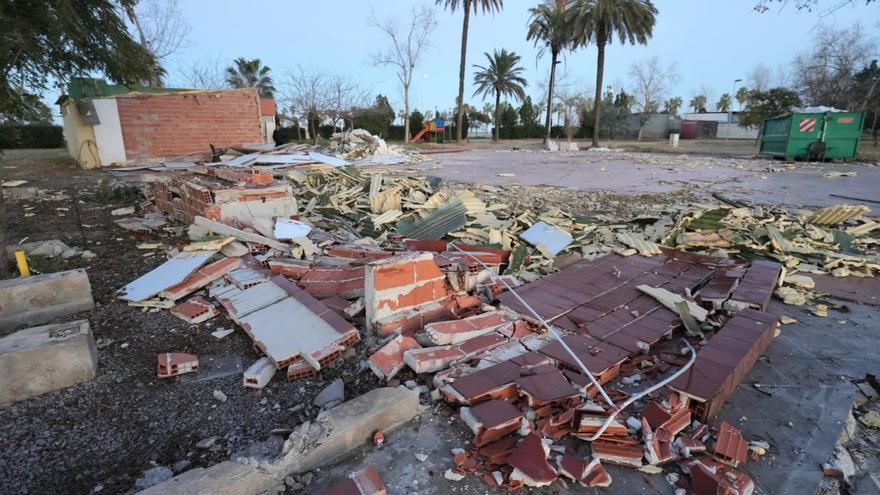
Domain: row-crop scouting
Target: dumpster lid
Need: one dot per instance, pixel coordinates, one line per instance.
(817, 109)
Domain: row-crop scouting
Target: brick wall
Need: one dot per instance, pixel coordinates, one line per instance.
(176, 124)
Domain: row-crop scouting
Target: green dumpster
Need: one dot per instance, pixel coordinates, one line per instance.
(818, 136)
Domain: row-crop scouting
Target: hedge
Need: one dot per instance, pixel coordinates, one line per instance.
(31, 136)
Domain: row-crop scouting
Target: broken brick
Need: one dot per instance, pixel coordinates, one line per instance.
(195, 310)
(622, 455)
(201, 278)
(401, 283)
(388, 360)
(432, 359)
(363, 482)
(176, 363)
(730, 446)
(259, 374)
(529, 462)
(491, 420)
(456, 331)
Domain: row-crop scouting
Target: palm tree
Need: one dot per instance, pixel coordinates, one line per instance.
(742, 96)
(724, 103)
(550, 27)
(673, 105)
(250, 74)
(598, 21)
(698, 103)
(502, 77)
(486, 6)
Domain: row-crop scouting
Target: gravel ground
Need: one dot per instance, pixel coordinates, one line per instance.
(103, 434)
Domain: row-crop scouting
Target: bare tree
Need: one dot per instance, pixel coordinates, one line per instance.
(204, 74)
(826, 74)
(160, 28)
(343, 99)
(759, 78)
(408, 43)
(304, 94)
(650, 79)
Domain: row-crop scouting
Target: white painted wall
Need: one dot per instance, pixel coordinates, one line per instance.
(108, 134)
(736, 132)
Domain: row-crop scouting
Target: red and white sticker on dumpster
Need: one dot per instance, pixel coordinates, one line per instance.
(807, 125)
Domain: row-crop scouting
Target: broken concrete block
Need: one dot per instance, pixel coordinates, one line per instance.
(332, 395)
(42, 298)
(226, 478)
(259, 374)
(195, 310)
(394, 285)
(338, 432)
(389, 360)
(41, 359)
(176, 363)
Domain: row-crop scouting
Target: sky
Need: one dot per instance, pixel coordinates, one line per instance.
(711, 43)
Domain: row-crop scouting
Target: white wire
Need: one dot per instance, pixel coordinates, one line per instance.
(546, 325)
(616, 409)
(643, 393)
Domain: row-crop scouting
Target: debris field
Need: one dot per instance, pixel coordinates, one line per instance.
(563, 340)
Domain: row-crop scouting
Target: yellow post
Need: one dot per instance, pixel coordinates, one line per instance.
(21, 260)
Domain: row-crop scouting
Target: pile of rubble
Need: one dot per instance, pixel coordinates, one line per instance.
(431, 274)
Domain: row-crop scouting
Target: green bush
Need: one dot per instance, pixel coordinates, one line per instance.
(31, 136)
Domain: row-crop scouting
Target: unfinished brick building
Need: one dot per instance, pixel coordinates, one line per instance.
(107, 125)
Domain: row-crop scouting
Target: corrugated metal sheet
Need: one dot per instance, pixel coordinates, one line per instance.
(834, 215)
(448, 218)
(637, 242)
(387, 217)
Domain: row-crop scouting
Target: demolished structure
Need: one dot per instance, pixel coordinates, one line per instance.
(310, 261)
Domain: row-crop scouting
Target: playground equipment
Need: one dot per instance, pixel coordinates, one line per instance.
(432, 131)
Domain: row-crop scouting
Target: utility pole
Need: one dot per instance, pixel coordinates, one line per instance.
(730, 108)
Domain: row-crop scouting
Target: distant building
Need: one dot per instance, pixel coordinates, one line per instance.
(107, 124)
(721, 125)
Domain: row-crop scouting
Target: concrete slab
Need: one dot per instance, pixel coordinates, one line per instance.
(336, 433)
(638, 173)
(226, 478)
(42, 298)
(37, 360)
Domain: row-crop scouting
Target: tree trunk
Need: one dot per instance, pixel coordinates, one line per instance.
(459, 118)
(874, 127)
(553, 57)
(597, 105)
(4, 262)
(497, 115)
(406, 113)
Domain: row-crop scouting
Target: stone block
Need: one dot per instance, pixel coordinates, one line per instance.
(42, 298)
(41, 359)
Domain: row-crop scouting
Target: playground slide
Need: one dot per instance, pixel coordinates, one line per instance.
(418, 136)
